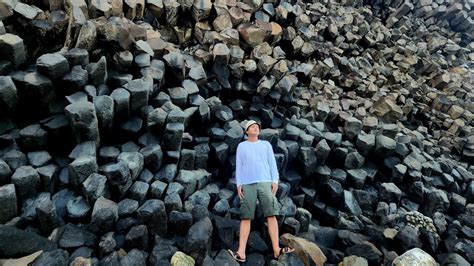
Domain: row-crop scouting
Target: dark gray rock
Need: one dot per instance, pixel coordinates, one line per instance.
(78, 209)
(153, 157)
(172, 138)
(94, 187)
(77, 56)
(75, 80)
(384, 146)
(357, 177)
(140, 90)
(5, 172)
(15, 159)
(17, 243)
(153, 214)
(322, 151)
(408, 237)
(188, 180)
(127, 207)
(8, 94)
(162, 253)
(108, 154)
(354, 160)
(198, 240)
(56, 257)
(157, 189)
(8, 201)
(435, 200)
(104, 107)
(389, 192)
(47, 216)
(60, 199)
(121, 103)
(107, 244)
(138, 191)
(173, 202)
(52, 65)
(350, 203)
(119, 178)
(86, 148)
(104, 215)
(33, 137)
(137, 237)
(12, 49)
(82, 168)
(83, 121)
(27, 182)
(179, 222)
(135, 162)
(98, 72)
(38, 158)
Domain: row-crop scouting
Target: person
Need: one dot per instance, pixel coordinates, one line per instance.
(257, 178)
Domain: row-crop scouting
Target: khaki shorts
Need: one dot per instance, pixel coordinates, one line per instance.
(263, 192)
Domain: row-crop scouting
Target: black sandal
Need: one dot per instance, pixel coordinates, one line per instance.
(284, 250)
(236, 256)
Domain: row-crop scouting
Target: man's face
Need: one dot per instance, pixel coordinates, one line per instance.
(253, 130)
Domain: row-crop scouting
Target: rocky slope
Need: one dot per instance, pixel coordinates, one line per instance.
(119, 122)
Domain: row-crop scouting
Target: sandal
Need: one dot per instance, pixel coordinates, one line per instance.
(236, 256)
(285, 250)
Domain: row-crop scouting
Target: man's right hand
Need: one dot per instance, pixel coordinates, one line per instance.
(240, 192)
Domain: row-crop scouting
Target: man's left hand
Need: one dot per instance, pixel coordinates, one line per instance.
(274, 188)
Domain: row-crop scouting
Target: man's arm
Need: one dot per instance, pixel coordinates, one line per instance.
(238, 166)
(272, 163)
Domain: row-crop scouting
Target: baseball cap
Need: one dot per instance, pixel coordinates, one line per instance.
(251, 122)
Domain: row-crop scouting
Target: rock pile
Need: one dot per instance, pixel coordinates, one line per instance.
(119, 122)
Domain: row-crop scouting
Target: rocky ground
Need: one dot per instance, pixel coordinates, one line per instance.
(119, 122)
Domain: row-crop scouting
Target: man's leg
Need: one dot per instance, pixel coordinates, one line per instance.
(273, 232)
(243, 236)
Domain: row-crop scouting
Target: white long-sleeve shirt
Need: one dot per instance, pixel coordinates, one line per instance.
(255, 162)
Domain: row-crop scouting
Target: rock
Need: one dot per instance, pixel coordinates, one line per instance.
(354, 160)
(201, 9)
(389, 192)
(13, 49)
(27, 182)
(98, 72)
(309, 253)
(83, 120)
(54, 257)
(39, 158)
(75, 236)
(138, 191)
(47, 216)
(153, 214)
(104, 106)
(354, 260)
(81, 168)
(34, 137)
(415, 255)
(104, 215)
(366, 250)
(137, 237)
(384, 146)
(94, 187)
(253, 34)
(54, 66)
(435, 200)
(224, 258)
(8, 202)
(78, 209)
(455, 259)
(198, 240)
(351, 204)
(135, 162)
(181, 259)
(408, 237)
(8, 93)
(119, 178)
(17, 243)
(352, 127)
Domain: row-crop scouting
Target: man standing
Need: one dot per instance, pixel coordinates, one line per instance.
(257, 178)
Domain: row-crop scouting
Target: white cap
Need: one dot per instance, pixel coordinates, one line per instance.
(249, 123)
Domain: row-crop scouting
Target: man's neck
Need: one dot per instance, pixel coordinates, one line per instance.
(252, 138)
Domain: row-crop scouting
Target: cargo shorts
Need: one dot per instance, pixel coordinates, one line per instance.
(263, 192)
